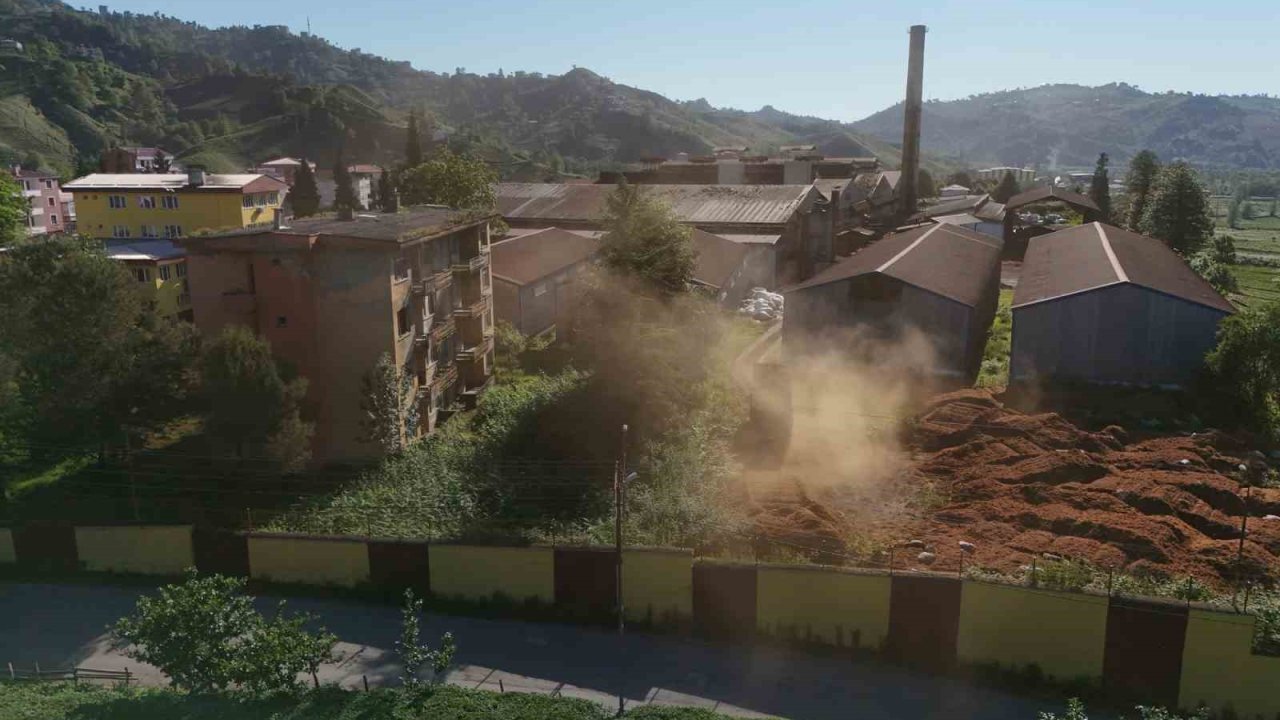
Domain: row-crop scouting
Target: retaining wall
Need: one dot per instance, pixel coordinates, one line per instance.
(1154, 651)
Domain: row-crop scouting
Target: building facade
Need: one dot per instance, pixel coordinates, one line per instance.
(332, 295)
(50, 210)
(153, 206)
(1103, 305)
(533, 276)
(160, 267)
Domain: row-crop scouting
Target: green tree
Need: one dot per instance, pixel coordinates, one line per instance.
(1178, 210)
(456, 181)
(13, 210)
(1233, 214)
(32, 161)
(924, 185)
(305, 195)
(386, 189)
(1100, 188)
(960, 178)
(1218, 274)
(413, 142)
(1139, 181)
(344, 193)
(206, 636)
(1246, 210)
(1275, 206)
(1244, 369)
(90, 358)
(414, 655)
(391, 413)
(249, 399)
(1007, 188)
(643, 239)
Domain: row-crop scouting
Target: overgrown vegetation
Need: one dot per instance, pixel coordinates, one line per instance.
(1076, 711)
(995, 356)
(79, 702)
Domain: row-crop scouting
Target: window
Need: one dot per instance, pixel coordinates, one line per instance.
(182, 269)
(116, 201)
(142, 274)
(172, 231)
(540, 290)
(53, 219)
(282, 321)
(273, 198)
(26, 184)
(246, 201)
(402, 321)
(147, 202)
(260, 199)
(164, 272)
(170, 202)
(48, 184)
(150, 231)
(53, 201)
(119, 231)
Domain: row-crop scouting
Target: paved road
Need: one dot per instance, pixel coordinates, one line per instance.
(61, 625)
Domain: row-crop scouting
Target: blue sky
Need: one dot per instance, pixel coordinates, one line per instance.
(841, 60)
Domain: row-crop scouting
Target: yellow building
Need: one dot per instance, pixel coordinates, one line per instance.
(162, 268)
(152, 206)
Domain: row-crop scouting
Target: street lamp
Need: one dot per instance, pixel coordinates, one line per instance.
(620, 479)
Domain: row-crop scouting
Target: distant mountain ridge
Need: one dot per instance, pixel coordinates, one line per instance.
(229, 97)
(1068, 125)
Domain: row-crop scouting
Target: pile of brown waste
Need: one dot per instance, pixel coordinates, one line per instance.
(1018, 486)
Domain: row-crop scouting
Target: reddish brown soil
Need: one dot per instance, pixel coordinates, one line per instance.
(1018, 486)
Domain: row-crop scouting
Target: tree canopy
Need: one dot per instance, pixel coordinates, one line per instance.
(458, 181)
(413, 142)
(1245, 368)
(924, 185)
(1007, 188)
(1100, 188)
(1141, 178)
(1178, 210)
(250, 399)
(305, 195)
(13, 210)
(643, 239)
(344, 191)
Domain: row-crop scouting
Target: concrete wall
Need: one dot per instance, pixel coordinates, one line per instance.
(1062, 633)
(309, 560)
(480, 573)
(151, 550)
(825, 605)
(657, 585)
(1218, 669)
(1119, 334)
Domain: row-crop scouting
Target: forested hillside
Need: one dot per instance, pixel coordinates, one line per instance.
(1068, 125)
(231, 96)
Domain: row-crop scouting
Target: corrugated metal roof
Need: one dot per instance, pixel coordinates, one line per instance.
(533, 256)
(144, 250)
(1045, 194)
(718, 258)
(1087, 257)
(947, 260)
(695, 204)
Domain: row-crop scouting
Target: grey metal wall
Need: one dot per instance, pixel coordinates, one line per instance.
(1119, 334)
(830, 315)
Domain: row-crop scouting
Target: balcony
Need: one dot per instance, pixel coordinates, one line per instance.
(446, 378)
(479, 350)
(31, 193)
(421, 342)
(443, 329)
(426, 285)
(472, 265)
(476, 308)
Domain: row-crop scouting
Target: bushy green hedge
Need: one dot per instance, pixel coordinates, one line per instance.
(67, 702)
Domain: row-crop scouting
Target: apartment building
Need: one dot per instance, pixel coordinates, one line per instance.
(50, 209)
(161, 268)
(152, 206)
(332, 294)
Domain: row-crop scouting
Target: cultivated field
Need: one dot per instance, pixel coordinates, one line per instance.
(1257, 241)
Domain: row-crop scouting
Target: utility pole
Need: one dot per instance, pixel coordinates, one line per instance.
(619, 480)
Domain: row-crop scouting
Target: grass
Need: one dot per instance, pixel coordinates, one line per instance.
(71, 702)
(23, 129)
(1255, 240)
(995, 357)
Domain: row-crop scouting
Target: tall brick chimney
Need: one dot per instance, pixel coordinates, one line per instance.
(911, 124)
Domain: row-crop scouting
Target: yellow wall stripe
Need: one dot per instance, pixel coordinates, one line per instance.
(1063, 633)
(1219, 668)
(480, 572)
(315, 561)
(657, 585)
(823, 605)
(151, 550)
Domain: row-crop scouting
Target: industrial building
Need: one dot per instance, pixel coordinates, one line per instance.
(1099, 304)
(533, 274)
(787, 228)
(941, 280)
